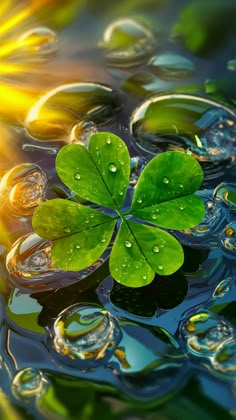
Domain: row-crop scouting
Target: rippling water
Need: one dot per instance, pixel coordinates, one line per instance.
(80, 345)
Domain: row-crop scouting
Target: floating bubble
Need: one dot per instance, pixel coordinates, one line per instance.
(222, 288)
(29, 383)
(226, 193)
(206, 233)
(144, 83)
(85, 332)
(53, 115)
(196, 125)
(24, 188)
(30, 257)
(137, 164)
(228, 237)
(39, 43)
(204, 333)
(81, 132)
(127, 42)
(224, 360)
(170, 66)
(231, 65)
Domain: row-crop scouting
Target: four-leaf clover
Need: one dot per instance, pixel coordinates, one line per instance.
(163, 197)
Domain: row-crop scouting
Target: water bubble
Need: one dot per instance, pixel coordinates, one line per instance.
(53, 115)
(128, 244)
(137, 164)
(144, 83)
(112, 167)
(222, 288)
(29, 383)
(77, 175)
(85, 332)
(81, 132)
(127, 42)
(165, 180)
(24, 188)
(155, 249)
(38, 43)
(231, 65)
(187, 123)
(170, 66)
(228, 237)
(30, 257)
(226, 193)
(207, 232)
(224, 360)
(204, 333)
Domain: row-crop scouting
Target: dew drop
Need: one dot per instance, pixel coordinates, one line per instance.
(160, 267)
(66, 230)
(180, 186)
(112, 167)
(165, 180)
(108, 140)
(139, 200)
(103, 240)
(77, 176)
(156, 249)
(128, 244)
(154, 216)
(77, 246)
(144, 277)
(181, 207)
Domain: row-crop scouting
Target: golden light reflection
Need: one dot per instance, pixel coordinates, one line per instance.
(25, 45)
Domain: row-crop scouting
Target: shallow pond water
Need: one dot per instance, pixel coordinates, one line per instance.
(78, 345)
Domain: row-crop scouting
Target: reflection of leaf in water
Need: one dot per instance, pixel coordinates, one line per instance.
(204, 26)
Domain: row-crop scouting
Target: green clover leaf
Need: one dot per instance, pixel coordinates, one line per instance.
(163, 196)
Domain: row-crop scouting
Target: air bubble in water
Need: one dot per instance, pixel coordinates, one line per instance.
(53, 115)
(81, 132)
(187, 123)
(30, 257)
(38, 43)
(85, 332)
(222, 288)
(29, 383)
(226, 193)
(170, 66)
(24, 188)
(228, 237)
(224, 360)
(204, 333)
(127, 42)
